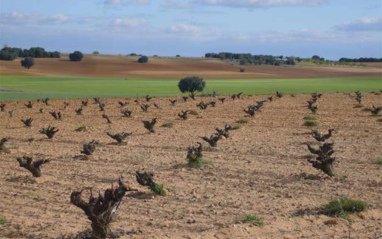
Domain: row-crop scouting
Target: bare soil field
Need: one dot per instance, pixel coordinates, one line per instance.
(258, 170)
(123, 66)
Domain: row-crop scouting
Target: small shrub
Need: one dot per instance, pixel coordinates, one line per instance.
(242, 70)
(253, 219)
(379, 161)
(242, 121)
(342, 207)
(168, 124)
(311, 123)
(3, 220)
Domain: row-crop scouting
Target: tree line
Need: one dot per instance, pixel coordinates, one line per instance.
(11, 53)
(249, 59)
(362, 59)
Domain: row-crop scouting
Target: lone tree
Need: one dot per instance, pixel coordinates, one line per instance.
(143, 59)
(28, 62)
(76, 56)
(191, 84)
(101, 210)
(33, 167)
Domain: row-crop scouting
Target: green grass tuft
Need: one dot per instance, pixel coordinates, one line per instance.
(253, 219)
(242, 121)
(379, 161)
(82, 128)
(194, 112)
(342, 207)
(158, 188)
(311, 123)
(236, 127)
(169, 124)
(197, 163)
(310, 117)
(3, 220)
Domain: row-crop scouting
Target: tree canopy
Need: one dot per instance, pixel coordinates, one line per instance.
(249, 59)
(76, 56)
(28, 62)
(143, 59)
(191, 84)
(11, 53)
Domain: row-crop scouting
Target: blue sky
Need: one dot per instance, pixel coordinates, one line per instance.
(329, 28)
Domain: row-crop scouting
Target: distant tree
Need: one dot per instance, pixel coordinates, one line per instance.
(28, 62)
(155, 56)
(133, 54)
(95, 52)
(290, 61)
(55, 54)
(143, 59)
(76, 56)
(191, 84)
(7, 55)
(37, 52)
(11, 53)
(177, 55)
(315, 57)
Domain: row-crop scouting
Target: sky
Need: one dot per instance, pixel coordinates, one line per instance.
(329, 28)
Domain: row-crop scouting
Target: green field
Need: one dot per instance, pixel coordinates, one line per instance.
(22, 87)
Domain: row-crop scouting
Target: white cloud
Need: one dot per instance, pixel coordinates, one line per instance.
(126, 2)
(250, 4)
(192, 32)
(127, 22)
(303, 36)
(364, 24)
(17, 18)
(171, 4)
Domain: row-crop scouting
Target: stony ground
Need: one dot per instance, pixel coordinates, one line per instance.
(258, 170)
